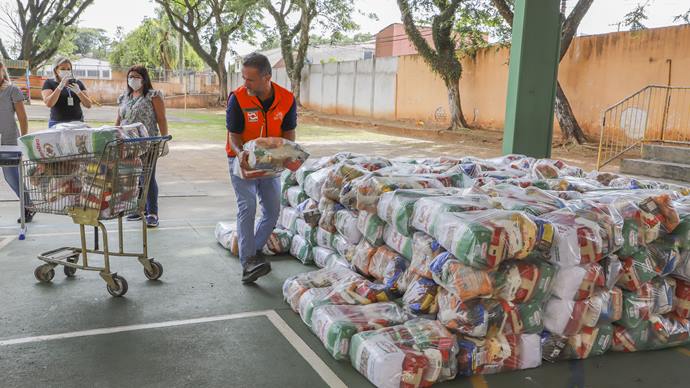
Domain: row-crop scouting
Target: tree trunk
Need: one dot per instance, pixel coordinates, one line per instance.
(457, 118)
(566, 118)
(222, 73)
(295, 83)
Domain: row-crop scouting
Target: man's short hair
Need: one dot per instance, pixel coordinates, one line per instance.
(259, 62)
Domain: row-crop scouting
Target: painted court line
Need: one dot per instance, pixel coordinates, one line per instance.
(478, 381)
(5, 241)
(684, 351)
(297, 343)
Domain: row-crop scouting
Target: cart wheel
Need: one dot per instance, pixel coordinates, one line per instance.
(69, 271)
(44, 273)
(157, 270)
(121, 286)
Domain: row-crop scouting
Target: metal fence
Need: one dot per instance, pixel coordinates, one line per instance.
(655, 114)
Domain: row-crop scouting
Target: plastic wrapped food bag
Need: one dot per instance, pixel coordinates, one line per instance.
(591, 342)
(357, 292)
(665, 255)
(483, 239)
(287, 218)
(346, 225)
(343, 247)
(420, 298)
(306, 231)
(371, 227)
(524, 281)
(637, 270)
(325, 238)
(361, 258)
(301, 250)
(312, 298)
(336, 324)
(398, 242)
(295, 196)
(288, 179)
(323, 256)
(653, 298)
(295, 286)
(682, 270)
(681, 302)
(328, 210)
(388, 267)
(415, 354)
(309, 211)
(370, 188)
(424, 251)
(497, 354)
(488, 317)
(462, 280)
(341, 174)
(315, 181)
(227, 237)
(396, 207)
(580, 282)
(308, 168)
(565, 317)
(279, 241)
(427, 210)
(577, 240)
(274, 154)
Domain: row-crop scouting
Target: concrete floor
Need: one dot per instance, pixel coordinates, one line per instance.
(271, 347)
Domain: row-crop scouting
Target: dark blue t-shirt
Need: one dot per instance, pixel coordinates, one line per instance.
(234, 119)
(62, 111)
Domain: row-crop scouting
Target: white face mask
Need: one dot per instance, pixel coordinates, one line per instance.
(65, 73)
(135, 83)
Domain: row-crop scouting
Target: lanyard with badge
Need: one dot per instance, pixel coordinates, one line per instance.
(70, 99)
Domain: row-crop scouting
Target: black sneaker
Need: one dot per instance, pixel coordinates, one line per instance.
(134, 217)
(255, 269)
(28, 217)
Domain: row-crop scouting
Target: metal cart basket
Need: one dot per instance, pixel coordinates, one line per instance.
(92, 188)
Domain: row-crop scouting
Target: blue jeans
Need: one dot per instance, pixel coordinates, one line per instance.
(252, 239)
(152, 196)
(12, 178)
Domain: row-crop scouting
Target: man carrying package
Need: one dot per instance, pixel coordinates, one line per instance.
(259, 108)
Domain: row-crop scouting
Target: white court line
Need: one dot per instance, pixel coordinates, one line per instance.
(297, 343)
(5, 242)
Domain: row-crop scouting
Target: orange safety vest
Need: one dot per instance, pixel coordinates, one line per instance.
(260, 123)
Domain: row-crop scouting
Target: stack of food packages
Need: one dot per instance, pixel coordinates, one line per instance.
(80, 177)
(439, 268)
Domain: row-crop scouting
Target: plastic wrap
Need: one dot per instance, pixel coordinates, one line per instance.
(579, 282)
(681, 301)
(613, 270)
(287, 218)
(637, 270)
(357, 292)
(301, 249)
(661, 331)
(483, 239)
(665, 255)
(682, 270)
(398, 242)
(577, 240)
(336, 324)
(344, 247)
(361, 258)
(295, 195)
(370, 188)
(346, 225)
(315, 181)
(371, 227)
(460, 279)
(295, 286)
(415, 354)
(274, 154)
(388, 267)
(591, 342)
(501, 353)
(325, 239)
(227, 237)
(488, 317)
(653, 298)
(288, 179)
(279, 241)
(341, 174)
(424, 251)
(311, 299)
(328, 210)
(427, 210)
(566, 317)
(306, 231)
(524, 281)
(323, 256)
(309, 167)
(420, 298)
(309, 211)
(396, 207)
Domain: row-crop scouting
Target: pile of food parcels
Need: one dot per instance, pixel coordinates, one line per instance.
(66, 168)
(438, 268)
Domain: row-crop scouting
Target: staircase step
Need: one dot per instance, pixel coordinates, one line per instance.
(656, 169)
(666, 153)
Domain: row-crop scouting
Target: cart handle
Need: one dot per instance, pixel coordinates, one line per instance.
(143, 139)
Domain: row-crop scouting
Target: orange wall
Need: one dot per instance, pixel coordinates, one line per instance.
(597, 72)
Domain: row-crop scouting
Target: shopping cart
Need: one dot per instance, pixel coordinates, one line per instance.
(92, 188)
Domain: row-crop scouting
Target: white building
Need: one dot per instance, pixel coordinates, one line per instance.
(84, 68)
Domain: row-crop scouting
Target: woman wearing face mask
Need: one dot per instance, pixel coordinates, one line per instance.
(64, 95)
(142, 104)
(11, 104)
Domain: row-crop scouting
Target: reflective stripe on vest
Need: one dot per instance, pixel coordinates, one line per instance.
(260, 123)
